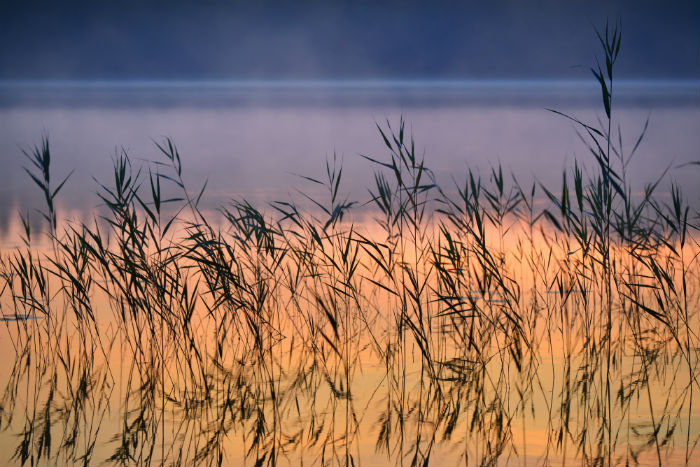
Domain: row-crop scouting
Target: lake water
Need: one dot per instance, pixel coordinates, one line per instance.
(481, 334)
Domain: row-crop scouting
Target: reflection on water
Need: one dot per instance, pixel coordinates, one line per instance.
(477, 326)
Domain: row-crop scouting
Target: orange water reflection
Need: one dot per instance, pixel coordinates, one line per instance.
(351, 345)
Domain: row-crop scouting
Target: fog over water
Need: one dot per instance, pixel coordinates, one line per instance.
(251, 91)
(248, 139)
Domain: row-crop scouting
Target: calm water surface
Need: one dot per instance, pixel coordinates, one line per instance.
(235, 340)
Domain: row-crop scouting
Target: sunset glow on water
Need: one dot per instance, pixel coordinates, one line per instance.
(257, 334)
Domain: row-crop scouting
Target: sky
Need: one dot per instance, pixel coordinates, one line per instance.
(224, 40)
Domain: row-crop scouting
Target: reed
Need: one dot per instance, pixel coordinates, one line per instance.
(461, 324)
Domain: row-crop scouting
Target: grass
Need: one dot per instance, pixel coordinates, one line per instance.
(468, 324)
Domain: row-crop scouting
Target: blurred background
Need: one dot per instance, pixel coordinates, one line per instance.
(254, 92)
(218, 39)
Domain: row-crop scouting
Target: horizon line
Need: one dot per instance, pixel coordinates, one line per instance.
(347, 83)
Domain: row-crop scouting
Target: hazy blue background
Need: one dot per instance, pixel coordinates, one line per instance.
(254, 91)
(217, 39)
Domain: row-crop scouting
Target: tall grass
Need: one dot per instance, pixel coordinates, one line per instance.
(463, 324)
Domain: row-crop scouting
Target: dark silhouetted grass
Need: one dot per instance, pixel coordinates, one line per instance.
(489, 323)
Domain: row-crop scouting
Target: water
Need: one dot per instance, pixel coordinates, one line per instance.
(331, 344)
